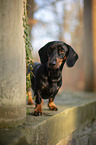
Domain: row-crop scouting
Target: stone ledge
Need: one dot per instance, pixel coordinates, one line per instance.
(75, 110)
(84, 135)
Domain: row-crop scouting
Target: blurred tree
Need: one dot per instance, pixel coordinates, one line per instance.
(94, 35)
(59, 20)
(88, 43)
(30, 12)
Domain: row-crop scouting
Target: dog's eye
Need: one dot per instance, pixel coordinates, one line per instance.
(61, 51)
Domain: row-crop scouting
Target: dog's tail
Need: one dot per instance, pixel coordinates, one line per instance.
(32, 66)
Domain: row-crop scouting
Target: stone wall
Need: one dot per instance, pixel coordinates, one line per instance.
(85, 135)
(12, 63)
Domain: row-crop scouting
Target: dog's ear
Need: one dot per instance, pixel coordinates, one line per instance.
(43, 53)
(72, 57)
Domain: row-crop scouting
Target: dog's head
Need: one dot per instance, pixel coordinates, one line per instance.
(55, 53)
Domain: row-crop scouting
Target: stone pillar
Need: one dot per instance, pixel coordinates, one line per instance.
(12, 64)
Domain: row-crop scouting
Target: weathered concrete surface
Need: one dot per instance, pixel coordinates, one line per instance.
(75, 110)
(12, 63)
(84, 135)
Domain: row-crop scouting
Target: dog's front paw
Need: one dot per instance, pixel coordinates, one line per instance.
(52, 106)
(38, 110)
(37, 113)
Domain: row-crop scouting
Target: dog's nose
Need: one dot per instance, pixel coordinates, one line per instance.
(52, 63)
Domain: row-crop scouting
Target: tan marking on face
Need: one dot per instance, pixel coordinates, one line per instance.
(60, 61)
(64, 57)
(60, 51)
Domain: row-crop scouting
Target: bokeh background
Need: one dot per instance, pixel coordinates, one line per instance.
(63, 20)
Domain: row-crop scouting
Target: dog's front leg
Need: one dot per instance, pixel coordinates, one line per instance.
(51, 104)
(29, 93)
(38, 110)
(38, 106)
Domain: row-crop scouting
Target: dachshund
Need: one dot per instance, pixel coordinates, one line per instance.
(47, 78)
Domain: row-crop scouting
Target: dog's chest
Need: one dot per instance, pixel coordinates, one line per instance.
(47, 88)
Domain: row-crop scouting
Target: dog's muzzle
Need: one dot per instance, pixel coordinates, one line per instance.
(53, 64)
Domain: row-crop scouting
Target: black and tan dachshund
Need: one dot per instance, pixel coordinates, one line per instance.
(47, 78)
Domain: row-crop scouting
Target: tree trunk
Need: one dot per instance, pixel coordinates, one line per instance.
(94, 35)
(89, 62)
(30, 12)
